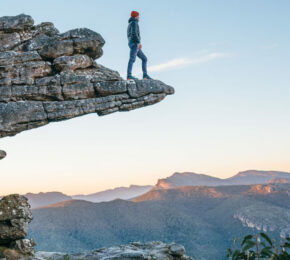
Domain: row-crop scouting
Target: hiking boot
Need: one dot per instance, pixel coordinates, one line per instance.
(131, 78)
(146, 76)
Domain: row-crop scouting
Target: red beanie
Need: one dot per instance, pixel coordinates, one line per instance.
(134, 14)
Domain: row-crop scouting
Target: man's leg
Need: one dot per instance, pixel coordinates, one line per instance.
(133, 54)
(142, 56)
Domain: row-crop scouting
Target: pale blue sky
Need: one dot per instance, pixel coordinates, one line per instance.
(229, 62)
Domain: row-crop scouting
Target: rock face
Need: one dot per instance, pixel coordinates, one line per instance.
(46, 76)
(132, 251)
(15, 215)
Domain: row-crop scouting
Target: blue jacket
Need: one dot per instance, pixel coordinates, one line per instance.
(133, 32)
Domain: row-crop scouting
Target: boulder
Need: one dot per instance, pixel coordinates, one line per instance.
(2, 154)
(72, 62)
(16, 23)
(15, 215)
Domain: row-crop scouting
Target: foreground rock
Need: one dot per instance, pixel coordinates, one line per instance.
(15, 215)
(132, 251)
(46, 76)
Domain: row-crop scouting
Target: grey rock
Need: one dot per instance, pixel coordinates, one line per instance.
(46, 28)
(16, 23)
(105, 88)
(77, 41)
(85, 41)
(46, 77)
(15, 214)
(9, 41)
(145, 87)
(177, 250)
(25, 246)
(72, 62)
(36, 43)
(11, 58)
(132, 251)
(56, 49)
(2, 154)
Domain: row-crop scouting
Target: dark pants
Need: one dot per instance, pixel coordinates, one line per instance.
(134, 51)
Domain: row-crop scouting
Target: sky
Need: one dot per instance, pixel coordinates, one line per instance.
(229, 62)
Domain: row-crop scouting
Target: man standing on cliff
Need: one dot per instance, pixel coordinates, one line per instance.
(134, 39)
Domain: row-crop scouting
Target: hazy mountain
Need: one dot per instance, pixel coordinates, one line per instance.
(45, 198)
(242, 178)
(197, 217)
(187, 179)
(227, 191)
(124, 193)
(176, 180)
(256, 177)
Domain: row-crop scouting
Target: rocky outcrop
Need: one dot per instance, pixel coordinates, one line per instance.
(15, 215)
(279, 180)
(132, 251)
(47, 76)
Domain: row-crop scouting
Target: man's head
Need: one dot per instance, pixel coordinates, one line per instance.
(135, 14)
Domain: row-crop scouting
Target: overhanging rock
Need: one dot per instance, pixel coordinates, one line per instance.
(46, 76)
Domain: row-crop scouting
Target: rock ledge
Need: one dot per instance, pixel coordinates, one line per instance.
(47, 76)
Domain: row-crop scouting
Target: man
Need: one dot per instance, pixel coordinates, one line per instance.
(134, 39)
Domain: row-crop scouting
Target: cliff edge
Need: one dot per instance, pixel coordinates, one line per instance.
(47, 76)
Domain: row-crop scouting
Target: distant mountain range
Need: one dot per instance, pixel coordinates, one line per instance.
(124, 193)
(43, 199)
(176, 180)
(242, 178)
(199, 217)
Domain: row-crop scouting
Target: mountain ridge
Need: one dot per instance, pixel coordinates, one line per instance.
(118, 192)
(134, 191)
(196, 217)
(42, 199)
(245, 177)
(215, 192)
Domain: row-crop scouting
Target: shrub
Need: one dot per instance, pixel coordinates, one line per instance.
(259, 247)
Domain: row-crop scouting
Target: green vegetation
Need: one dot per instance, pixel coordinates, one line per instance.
(66, 257)
(259, 247)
